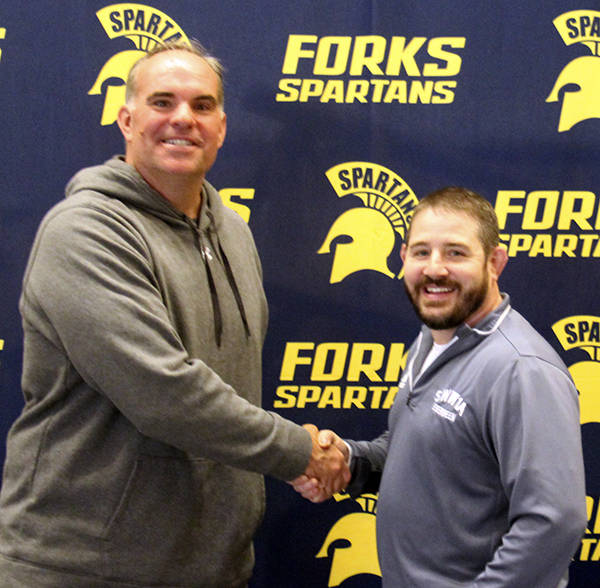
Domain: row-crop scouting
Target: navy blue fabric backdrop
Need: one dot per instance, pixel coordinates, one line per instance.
(341, 115)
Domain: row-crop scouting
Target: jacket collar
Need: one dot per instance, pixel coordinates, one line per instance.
(465, 338)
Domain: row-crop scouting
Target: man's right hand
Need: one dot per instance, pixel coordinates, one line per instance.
(327, 471)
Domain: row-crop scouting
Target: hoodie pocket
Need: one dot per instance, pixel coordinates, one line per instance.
(181, 519)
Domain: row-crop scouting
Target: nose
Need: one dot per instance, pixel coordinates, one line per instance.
(435, 267)
(182, 115)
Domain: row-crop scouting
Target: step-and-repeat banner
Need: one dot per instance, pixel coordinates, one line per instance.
(341, 115)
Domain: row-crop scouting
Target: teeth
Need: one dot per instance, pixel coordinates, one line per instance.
(178, 142)
(437, 289)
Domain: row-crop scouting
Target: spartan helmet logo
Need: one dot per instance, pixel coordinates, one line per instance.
(145, 27)
(583, 332)
(351, 542)
(371, 230)
(586, 375)
(579, 81)
(583, 102)
(373, 239)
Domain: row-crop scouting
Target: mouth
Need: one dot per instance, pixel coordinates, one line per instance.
(437, 289)
(179, 142)
(436, 292)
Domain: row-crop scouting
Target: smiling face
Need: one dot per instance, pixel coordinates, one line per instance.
(447, 275)
(174, 124)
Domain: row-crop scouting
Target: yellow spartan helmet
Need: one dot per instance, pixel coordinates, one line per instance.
(372, 241)
(583, 103)
(116, 68)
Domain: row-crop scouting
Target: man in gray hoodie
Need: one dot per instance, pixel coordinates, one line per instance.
(480, 473)
(138, 457)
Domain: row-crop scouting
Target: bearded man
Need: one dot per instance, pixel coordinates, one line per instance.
(480, 473)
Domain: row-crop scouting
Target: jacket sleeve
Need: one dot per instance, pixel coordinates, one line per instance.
(368, 459)
(535, 432)
(90, 291)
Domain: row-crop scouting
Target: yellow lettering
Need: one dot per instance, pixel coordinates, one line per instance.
(361, 58)
(590, 507)
(588, 241)
(435, 48)
(289, 88)
(542, 245)
(310, 89)
(358, 365)
(377, 394)
(288, 400)
(355, 396)
(396, 362)
(291, 359)
(334, 90)
(308, 394)
(227, 195)
(378, 87)
(530, 217)
(402, 53)
(397, 91)
(519, 243)
(585, 202)
(420, 92)
(445, 90)
(331, 396)
(565, 244)
(357, 90)
(596, 555)
(336, 370)
(294, 52)
(342, 53)
(503, 206)
(586, 545)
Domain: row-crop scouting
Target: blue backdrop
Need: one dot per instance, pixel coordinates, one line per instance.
(341, 115)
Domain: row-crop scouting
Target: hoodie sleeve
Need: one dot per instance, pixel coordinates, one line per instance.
(91, 295)
(535, 432)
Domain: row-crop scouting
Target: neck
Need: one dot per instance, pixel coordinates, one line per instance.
(184, 197)
(182, 191)
(441, 337)
(492, 301)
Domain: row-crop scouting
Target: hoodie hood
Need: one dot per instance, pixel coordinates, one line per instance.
(118, 180)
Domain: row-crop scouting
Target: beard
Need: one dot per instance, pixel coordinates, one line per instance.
(467, 303)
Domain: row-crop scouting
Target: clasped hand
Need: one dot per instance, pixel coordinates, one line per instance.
(327, 471)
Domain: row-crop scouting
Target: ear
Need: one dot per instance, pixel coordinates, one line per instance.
(124, 122)
(497, 261)
(403, 252)
(223, 130)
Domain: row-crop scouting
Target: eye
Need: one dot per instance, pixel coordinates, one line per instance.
(205, 106)
(456, 253)
(419, 253)
(160, 103)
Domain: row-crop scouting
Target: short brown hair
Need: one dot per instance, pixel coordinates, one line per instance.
(458, 199)
(195, 48)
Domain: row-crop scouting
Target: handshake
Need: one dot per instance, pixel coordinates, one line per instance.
(328, 471)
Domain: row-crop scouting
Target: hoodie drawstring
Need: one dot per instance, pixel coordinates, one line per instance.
(218, 320)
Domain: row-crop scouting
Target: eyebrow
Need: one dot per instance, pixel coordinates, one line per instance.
(450, 244)
(155, 95)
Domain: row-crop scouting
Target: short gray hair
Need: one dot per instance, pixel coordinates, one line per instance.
(195, 48)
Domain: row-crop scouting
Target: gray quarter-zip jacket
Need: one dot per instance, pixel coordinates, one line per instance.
(482, 482)
(138, 456)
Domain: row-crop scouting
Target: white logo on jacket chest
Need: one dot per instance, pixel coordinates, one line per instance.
(452, 399)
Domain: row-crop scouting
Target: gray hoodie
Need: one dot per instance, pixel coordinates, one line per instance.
(137, 458)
